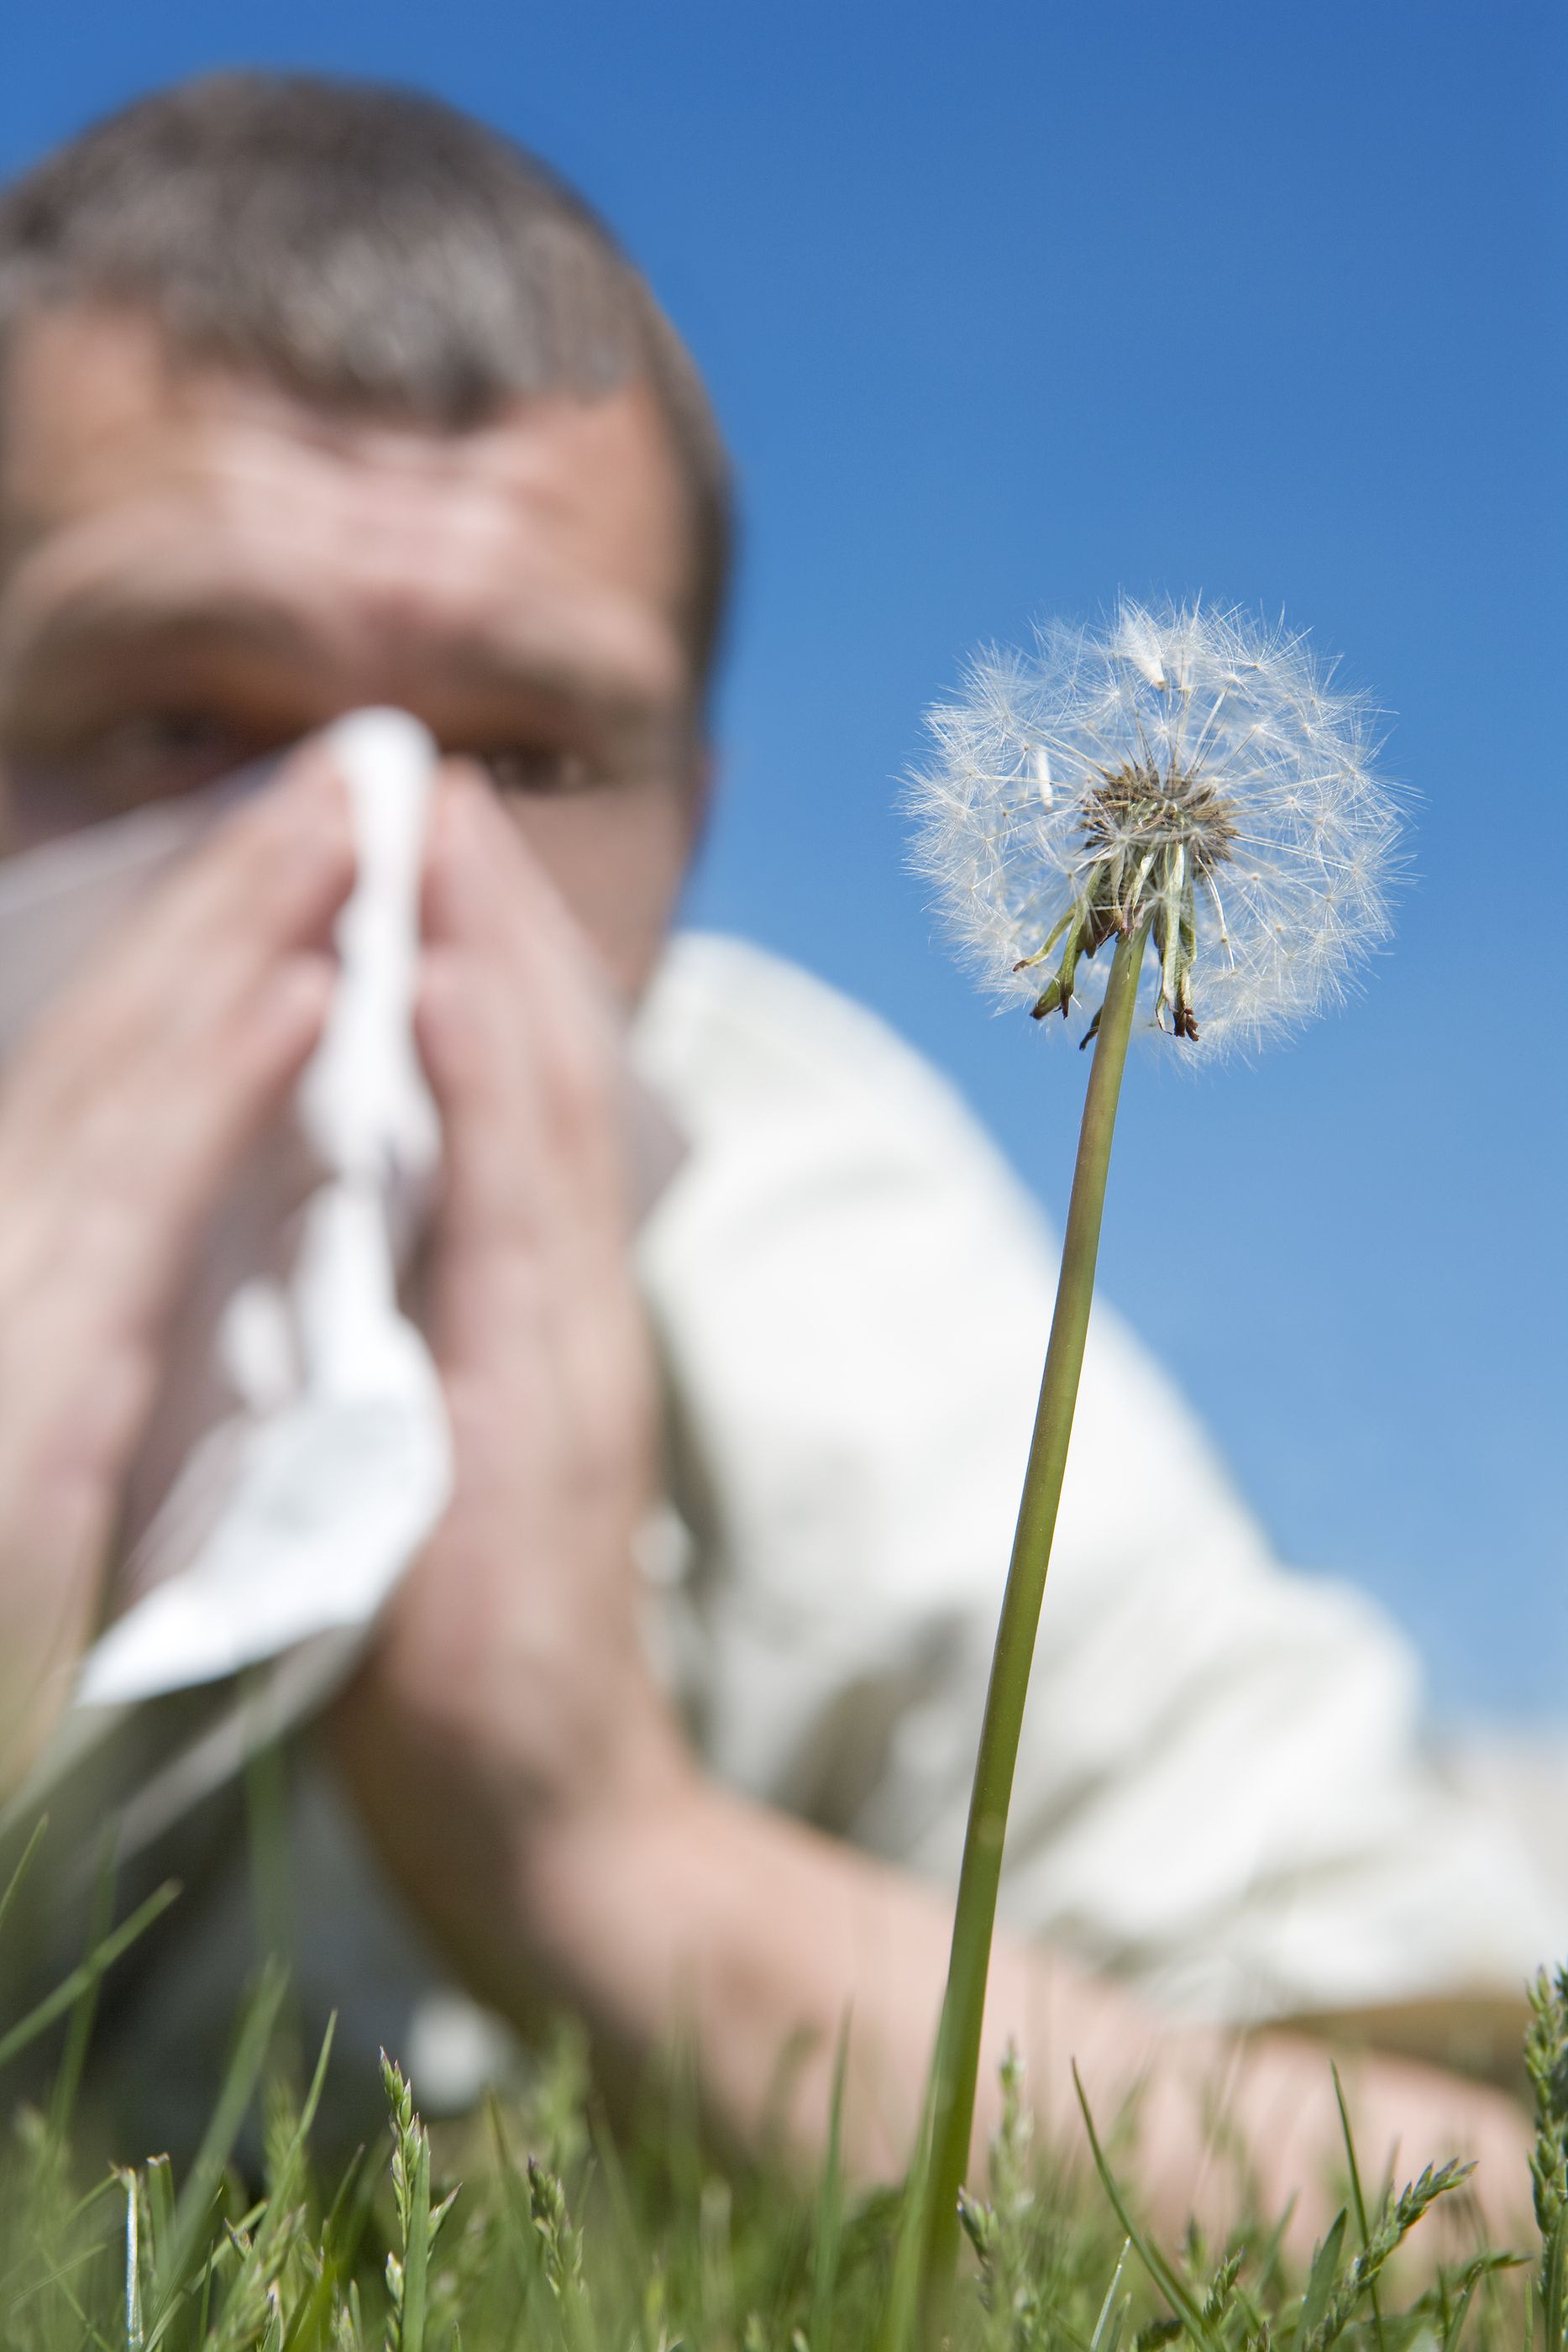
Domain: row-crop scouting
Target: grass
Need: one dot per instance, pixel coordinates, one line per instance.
(534, 2228)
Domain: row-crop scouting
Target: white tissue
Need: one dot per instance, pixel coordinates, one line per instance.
(344, 1464)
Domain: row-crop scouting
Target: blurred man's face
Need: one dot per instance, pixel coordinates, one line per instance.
(197, 570)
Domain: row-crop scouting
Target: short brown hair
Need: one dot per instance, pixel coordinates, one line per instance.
(372, 250)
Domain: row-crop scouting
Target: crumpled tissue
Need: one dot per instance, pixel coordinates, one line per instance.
(298, 1456)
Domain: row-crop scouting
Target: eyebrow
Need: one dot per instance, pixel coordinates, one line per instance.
(104, 618)
(112, 621)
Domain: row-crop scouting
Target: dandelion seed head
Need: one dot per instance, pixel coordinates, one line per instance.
(1184, 767)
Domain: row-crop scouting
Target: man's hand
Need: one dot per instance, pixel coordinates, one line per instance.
(121, 1119)
(507, 1710)
(1285, 2131)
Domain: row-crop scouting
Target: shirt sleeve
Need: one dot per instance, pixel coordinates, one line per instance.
(1223, 1792)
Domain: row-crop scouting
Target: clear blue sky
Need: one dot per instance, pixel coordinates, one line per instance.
(1009, 306)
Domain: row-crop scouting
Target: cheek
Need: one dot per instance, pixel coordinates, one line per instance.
(617, 858)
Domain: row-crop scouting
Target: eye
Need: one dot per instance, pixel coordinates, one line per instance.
(169, 734)
(538, 769)
(165, 751)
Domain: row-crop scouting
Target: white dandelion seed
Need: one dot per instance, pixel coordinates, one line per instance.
(1186, 768)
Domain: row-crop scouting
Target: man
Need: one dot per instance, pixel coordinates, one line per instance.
(317, 398)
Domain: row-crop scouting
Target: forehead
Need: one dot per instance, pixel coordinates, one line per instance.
(133, 481)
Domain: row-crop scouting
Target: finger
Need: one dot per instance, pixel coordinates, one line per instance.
(269, 881)
(282, 861)
(187, 1137)
(530, 1271)
(487, 897)
(533, 1151)
(139, 1167)
(179, 1038)
(181, 968)
(487, 888)
(88, 1271)
(502, 1200)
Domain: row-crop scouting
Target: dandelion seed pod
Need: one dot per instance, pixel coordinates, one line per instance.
(1187, 769)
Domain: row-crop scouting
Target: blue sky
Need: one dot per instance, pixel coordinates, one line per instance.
(1007, 307)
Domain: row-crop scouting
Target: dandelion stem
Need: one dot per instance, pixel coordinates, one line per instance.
(957, 2062)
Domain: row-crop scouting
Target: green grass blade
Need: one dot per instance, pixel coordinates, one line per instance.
(64, 1994)
(133, 2333)
(84, 2010)
(12, 1884)
(1169, 2281)
(1324, 2275)
(830, 2227)
(1099, 2341)
(1358, 2199)
(158, 2183)
(514, 2197)
(193, 2206)
(295, 2152)
(417, 2254)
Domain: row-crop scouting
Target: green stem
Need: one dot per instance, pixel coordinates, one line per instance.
(957, 2064)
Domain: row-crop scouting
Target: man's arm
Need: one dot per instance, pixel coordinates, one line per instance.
(662, 1908)
(522, 1777)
